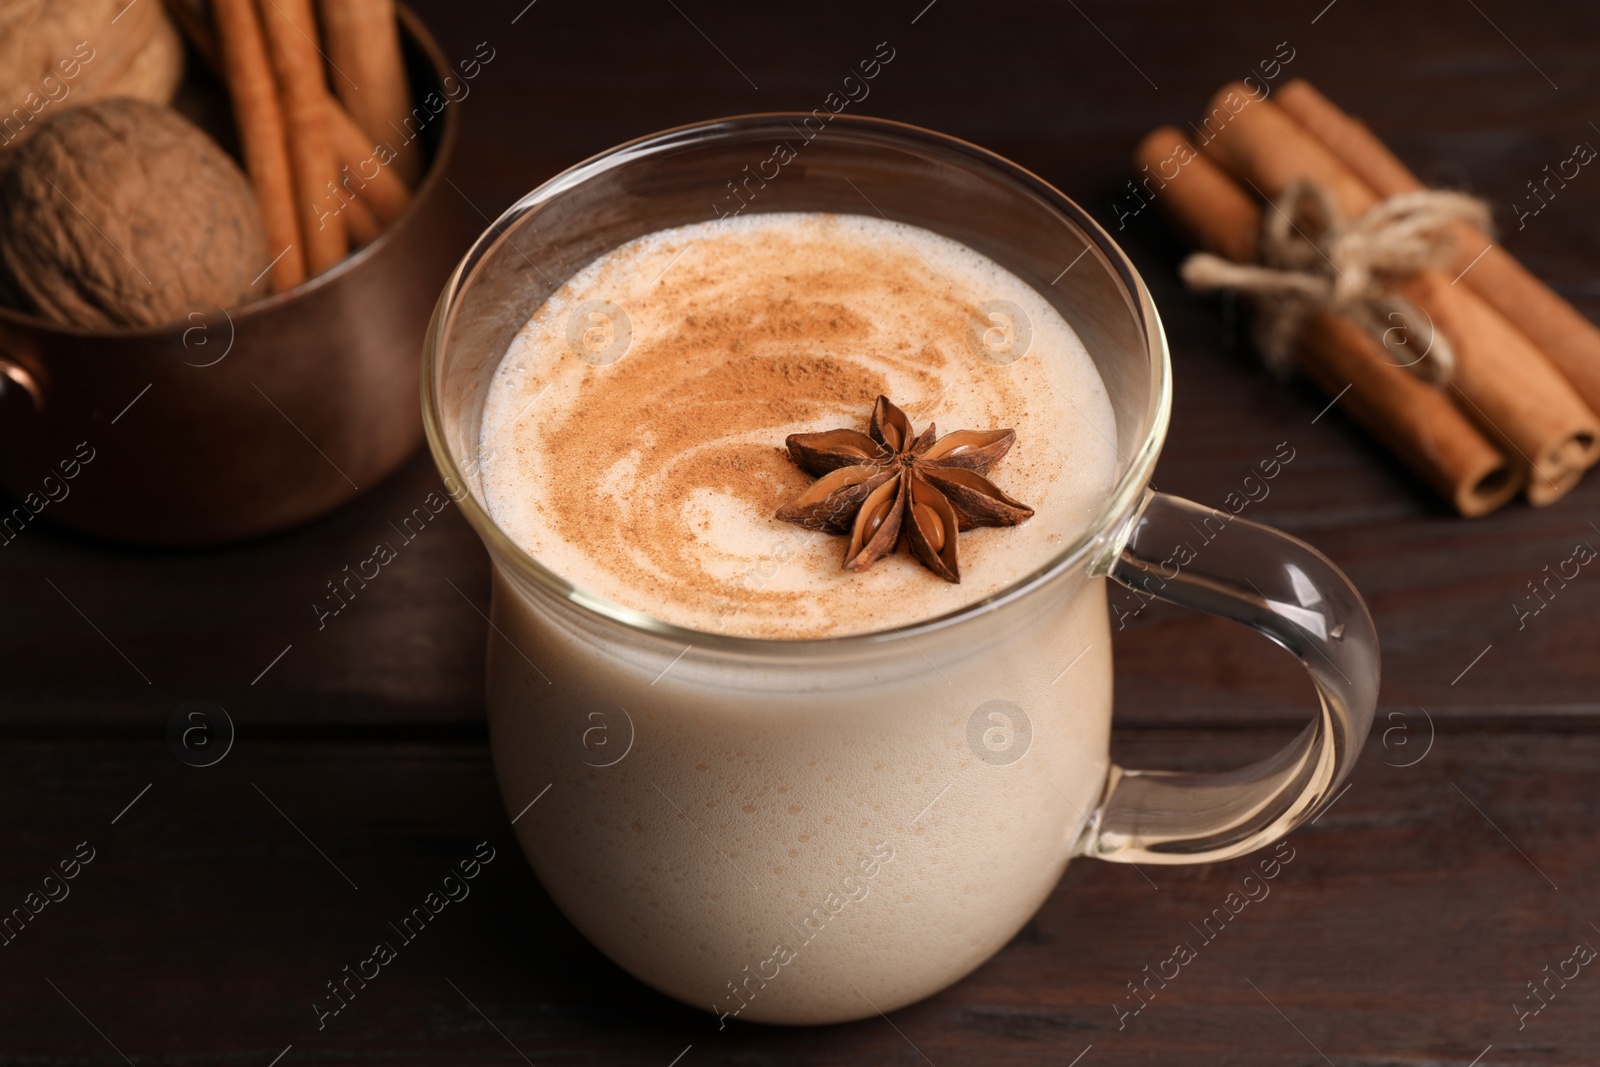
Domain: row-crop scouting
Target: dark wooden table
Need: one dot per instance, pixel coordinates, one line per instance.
(1458, 866)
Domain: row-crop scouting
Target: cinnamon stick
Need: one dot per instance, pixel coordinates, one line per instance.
(1409, 417)
(1355, 146)
(1460, 313)
(1415, 421)
(1560, 331)
(384, 193)
(291, 37)
(1205, 203)
(363, 38)
(262, 140)
(1504, 383)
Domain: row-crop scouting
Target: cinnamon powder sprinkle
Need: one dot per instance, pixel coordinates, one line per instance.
(652, 480)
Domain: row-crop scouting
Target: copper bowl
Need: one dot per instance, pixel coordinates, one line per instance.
(243, 421)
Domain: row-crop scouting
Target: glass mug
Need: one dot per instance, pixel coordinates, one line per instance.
(811, 831)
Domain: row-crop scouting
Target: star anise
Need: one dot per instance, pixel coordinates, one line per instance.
(895, 486)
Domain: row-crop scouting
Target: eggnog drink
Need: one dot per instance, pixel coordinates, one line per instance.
(791, 830)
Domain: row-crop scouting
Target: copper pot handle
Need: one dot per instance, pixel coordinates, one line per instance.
(14, 375)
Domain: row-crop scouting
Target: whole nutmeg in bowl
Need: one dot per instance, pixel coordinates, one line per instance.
(123, 213)
(56, 54)
(138, 315)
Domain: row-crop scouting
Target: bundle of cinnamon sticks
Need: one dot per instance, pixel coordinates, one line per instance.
(321, 103)
(1519, 413)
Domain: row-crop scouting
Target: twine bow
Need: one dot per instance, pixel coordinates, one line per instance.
(1313, 259)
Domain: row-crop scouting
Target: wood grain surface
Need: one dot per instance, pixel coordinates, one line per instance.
(1402, 930)
(1407, 926)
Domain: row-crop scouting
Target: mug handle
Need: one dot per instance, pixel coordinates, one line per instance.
(1215, 562)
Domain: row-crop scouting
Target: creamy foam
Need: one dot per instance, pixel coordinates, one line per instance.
(634, 431)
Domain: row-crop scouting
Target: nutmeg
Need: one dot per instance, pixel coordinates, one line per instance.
(56, 54)
(122, 213)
